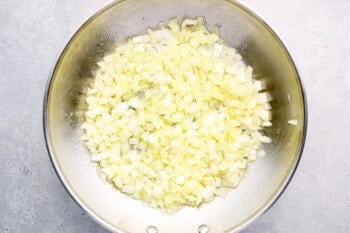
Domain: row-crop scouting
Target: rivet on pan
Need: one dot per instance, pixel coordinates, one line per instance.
(151, 229)
(203, 229)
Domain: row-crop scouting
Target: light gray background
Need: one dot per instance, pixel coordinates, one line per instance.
(32, 33)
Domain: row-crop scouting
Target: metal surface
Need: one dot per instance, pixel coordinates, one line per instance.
(265, 178)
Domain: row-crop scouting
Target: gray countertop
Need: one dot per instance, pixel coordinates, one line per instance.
(32, 34)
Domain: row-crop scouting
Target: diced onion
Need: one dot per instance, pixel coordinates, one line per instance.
(174, 116)
(293, 122)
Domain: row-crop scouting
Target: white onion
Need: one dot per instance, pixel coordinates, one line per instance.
(293, 122)
(174, 116)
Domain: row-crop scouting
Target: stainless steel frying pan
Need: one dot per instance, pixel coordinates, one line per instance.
(265, 179)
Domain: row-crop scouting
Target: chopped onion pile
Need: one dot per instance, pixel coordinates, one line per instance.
(174, 116)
